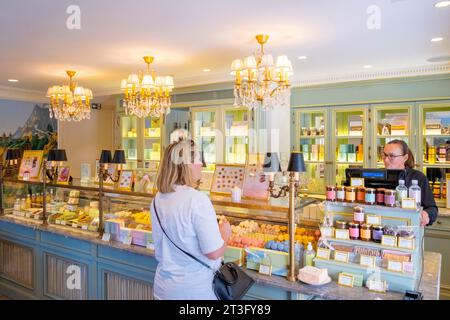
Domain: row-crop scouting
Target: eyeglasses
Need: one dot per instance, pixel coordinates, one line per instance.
(391, 156)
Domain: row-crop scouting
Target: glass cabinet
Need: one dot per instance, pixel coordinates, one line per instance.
(236, 136)
(350, 136)
(311, 141)
(152, 139)
(435, 146)
(23, 199)
(390, 122)
(129, 134)
(204, 134)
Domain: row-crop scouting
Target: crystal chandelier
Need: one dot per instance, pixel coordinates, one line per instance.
(260, 82)
(69, 102)
(147, 95)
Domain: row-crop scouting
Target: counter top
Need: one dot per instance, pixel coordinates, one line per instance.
(429, 285)
(444, 212)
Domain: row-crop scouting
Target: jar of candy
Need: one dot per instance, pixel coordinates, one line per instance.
(331, 193)
(380, 196)
(389, 198)
(340, 224)
(340, 193)
(350, 194)
(366, 232)
(370, 196)
(377, 233)
(358, 214)
(360, 194)
(353, 228)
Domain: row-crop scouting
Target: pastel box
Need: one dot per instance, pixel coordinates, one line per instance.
(141, 237)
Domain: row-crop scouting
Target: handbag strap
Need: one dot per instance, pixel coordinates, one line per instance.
(185, 252)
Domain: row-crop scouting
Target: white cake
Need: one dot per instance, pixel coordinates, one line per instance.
(313, 275)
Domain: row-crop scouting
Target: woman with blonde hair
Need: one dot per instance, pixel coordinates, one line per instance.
(183, 219)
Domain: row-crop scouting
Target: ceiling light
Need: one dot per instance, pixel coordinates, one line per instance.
(147, 95)
(442, 4)
(437, 39)
(13, 80)
(262, 81)
(206, 70)
(69, 102)
(368, 66)
(302, 57)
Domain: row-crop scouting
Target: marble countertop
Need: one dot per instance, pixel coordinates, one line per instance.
(429, 285)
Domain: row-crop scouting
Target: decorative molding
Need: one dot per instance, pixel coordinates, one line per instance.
(18, 94)
(377, 75)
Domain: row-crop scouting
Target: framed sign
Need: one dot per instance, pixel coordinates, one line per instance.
(226, 177)
(30, 167)
(63, 175)
(345, 280)
(206, 180)
(256, 183)
(125, 180)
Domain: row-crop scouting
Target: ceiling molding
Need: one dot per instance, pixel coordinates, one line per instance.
(366, 76)
(18, 94)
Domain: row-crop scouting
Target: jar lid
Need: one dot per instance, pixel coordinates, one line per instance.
(358, 209)
(340, 188)
(389, 191)
(361, 188)
(350, 188)
(370, 190)
(381, 189)
(353, 225)
(366, 226)
(377, 227)
(331, 187)
(341, 223)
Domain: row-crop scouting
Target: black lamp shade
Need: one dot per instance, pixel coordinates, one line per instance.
(296, 162)
(105, 156)
(119, 157)
(271, 162)
(11, 154)
(57, 155)
(17, 153)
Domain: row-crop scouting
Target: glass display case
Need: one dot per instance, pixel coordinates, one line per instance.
(129, 134)
(236, 136)
(350, 128)
(435, 146)
(204, 135)
(152, 139)
(311, 141)
(390, 122)
(23, 199)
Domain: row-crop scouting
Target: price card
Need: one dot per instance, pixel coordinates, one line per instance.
(265, 269)
(127, 240)
(390, 241)
(28, 215)
(341, 256)
(57, 221)
(37, 217)
(22, 214)
(367, 261)
(342, 234)
(395, 266)
(406, 243)
(345, 280)
(63, 222)
(150, 245)
(74, 225)
(373, 219)
(409, 203)
(357, 182)
(377, 285)
(106, 237)
(323, 254)
(84, 227)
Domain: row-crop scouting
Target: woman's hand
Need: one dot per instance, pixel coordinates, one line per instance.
(225, 230)
(424, 218)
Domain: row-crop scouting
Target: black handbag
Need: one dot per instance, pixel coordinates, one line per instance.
(230, 281)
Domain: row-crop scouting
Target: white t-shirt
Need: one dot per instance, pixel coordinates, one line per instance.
(189, 219)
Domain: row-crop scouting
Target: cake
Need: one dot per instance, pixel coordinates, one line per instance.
(313, 275)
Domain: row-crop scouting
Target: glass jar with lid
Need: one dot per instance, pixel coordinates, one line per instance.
(340, 193)
(380, 196)
(389, 198)
(370, 196)
(350, 194)
(358, 214)
(340, 224)
(331, 193)
(366, 232)
(353, 230)
(377, 233)
(360, 194)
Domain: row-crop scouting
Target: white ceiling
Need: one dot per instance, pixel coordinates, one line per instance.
(187, 36)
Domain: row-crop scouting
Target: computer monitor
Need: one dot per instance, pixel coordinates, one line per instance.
(374, 178)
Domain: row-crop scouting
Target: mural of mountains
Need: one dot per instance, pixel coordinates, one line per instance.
(37, 122)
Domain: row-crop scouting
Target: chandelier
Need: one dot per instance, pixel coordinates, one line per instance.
(147, 95)
(260, 82)
(69, 102)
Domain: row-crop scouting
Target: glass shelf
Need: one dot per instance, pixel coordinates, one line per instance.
(236, 133)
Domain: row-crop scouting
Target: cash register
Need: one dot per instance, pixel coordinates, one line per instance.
(374, 178)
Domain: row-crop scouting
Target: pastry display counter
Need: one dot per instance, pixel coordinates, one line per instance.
(45, 254)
